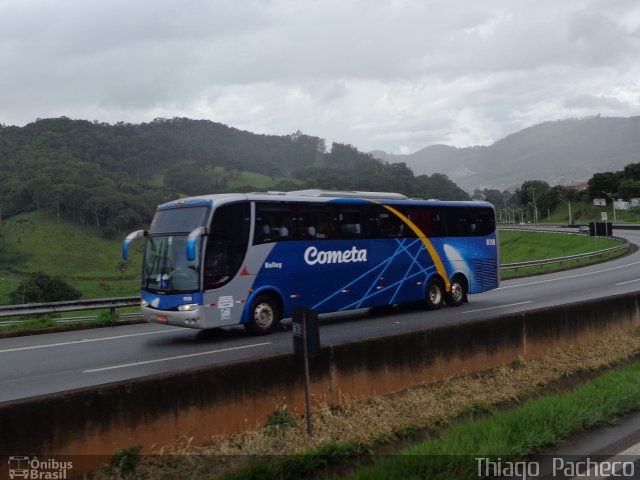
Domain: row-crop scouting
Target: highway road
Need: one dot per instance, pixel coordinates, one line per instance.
(42, 364)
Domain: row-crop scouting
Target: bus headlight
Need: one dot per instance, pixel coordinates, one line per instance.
(144, 303)
(188, 307)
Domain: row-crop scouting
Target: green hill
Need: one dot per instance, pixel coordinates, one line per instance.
(79, 254)
(113, 176)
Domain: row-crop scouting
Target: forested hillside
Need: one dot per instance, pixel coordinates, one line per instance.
(113, 176)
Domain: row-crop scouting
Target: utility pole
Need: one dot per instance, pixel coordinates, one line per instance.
(535, 208)
(505, 206)
(569, 204)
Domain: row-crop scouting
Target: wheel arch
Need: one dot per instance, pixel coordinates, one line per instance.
(459, 274)
(436, 276)
(270, 290)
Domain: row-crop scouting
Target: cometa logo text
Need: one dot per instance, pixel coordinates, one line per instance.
(312, 256)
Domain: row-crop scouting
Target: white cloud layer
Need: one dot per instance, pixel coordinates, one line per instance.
(393, 75)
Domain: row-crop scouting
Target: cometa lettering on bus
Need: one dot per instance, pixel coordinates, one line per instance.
(314, 256)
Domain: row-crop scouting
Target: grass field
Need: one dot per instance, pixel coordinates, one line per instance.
(517, 246)
(79, 254)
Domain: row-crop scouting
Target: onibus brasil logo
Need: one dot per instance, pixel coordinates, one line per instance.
(33, 468)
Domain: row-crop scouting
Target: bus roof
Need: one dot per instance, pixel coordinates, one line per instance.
(315, 195)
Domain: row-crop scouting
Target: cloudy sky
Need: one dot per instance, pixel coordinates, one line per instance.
(393, 75)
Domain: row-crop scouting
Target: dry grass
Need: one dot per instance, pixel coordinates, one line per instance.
(366, 420)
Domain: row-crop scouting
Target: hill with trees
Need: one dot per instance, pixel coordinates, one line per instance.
(113, 176)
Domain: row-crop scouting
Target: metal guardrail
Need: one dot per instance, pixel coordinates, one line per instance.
(88, 318)
(68, 306)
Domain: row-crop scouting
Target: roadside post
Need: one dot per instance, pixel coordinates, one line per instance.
(306, 345)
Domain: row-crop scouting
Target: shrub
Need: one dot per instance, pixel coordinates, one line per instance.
(39, 287)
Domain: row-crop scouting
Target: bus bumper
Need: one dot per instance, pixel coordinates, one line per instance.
(191, 319)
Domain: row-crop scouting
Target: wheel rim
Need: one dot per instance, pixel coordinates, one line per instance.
(456, 292)
(263, 315)
(435, 295)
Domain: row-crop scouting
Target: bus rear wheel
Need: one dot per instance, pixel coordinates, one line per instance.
(435, 294)
(264, 315)
(458, 293)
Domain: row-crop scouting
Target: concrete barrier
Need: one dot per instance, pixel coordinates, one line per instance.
(238, 396)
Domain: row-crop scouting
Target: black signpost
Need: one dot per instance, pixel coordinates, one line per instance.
(306, 344)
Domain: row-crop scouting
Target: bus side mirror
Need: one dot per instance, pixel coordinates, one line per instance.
(192, 241)
(130, 238)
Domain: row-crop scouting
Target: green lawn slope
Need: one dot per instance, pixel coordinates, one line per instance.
(79, 254)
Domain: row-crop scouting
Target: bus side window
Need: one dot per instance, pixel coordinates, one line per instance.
(384, 223)
(438, 228)
(274, 222)
(421, 218)
(318, 218)
(227, 243)
(350, 221)
(309, 232)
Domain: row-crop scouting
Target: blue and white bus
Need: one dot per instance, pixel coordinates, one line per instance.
(229, 259)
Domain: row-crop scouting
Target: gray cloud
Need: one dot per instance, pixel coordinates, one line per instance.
(395, 75)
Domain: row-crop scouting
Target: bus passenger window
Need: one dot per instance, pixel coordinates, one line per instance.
(396, 230)
(350, 220)
(216, 268)
(227, 244)
(351, 229)
(263, 233)
(310, 232)
(274, 222)
(318, 221)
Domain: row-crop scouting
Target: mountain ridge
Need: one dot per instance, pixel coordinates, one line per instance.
(561, 152)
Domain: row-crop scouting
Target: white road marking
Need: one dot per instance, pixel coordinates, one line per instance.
(621, 460)
(629, 281)
(569, 276)
(499, 306)
(166, 359)
(89, 340)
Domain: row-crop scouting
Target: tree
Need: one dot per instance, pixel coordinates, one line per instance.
(536, 193)
(629, 189)
(603, 182)
(438, 186)
(39, 287)
(632, 171)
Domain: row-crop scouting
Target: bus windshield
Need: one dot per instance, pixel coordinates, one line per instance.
(178, 220)
(166, 268)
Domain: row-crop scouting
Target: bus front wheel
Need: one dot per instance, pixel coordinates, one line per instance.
(264, 315)
(458, 293)
(435, 294)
